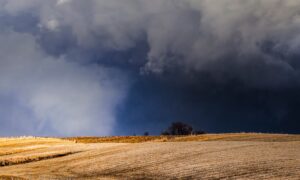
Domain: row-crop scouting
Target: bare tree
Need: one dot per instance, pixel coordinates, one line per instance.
(178, 128)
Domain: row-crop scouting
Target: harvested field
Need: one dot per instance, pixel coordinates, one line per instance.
(223, 156)
(205, 137)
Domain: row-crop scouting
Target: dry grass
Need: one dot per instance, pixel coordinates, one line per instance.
(25, 141)
(117, 139)
(213, 156)
(11, 178)
(12, 146)
(205, 137)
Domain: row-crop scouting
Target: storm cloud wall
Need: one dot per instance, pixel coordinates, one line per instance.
(73, 67)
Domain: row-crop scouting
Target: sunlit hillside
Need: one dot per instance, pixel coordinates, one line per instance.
(210, 156)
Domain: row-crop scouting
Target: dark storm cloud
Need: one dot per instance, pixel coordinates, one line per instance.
(223, 61)
(195, 35)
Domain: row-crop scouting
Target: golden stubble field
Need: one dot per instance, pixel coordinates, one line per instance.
(211, 156)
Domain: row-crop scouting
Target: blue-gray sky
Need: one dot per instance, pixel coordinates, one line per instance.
(121, 67)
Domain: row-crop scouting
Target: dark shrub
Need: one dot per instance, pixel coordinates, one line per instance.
(178, 128)
(165, 133)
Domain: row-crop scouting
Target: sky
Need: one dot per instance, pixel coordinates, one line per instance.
(124, 67)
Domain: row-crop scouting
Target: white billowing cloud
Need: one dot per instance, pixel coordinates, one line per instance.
(62, 2)
(52, 25)
(205, 31)
(63, 97)
(15, 7)
(198, 31)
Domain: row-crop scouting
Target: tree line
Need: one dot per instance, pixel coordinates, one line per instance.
(179, 129)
